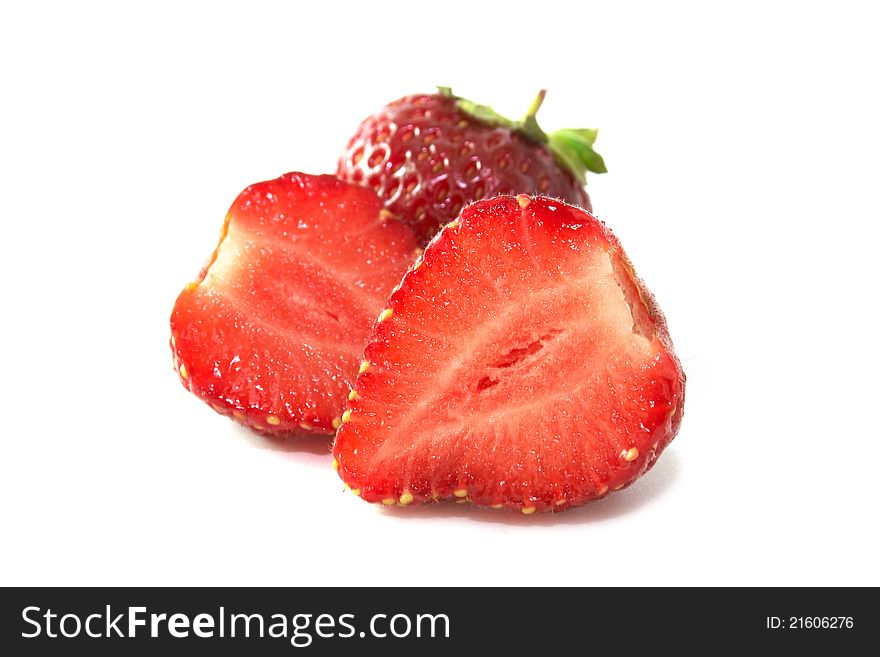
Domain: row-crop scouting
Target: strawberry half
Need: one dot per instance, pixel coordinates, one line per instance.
(429, 155)
(520, 363)
(272, 331)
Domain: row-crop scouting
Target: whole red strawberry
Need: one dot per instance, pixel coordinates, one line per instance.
(429, 155)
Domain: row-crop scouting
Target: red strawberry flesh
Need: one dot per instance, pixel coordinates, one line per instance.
(522, 364)
(272, 331)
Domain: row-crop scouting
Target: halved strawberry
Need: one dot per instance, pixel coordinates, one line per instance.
(520, 363)
(272, 331)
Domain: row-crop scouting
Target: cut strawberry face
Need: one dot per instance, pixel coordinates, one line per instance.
(273, 330)
(520, 363)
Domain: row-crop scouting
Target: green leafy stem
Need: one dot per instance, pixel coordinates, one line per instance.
(572, 147)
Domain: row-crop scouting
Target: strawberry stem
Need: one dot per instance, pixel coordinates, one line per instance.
(572, 147)
(536, 104)
(530, 123)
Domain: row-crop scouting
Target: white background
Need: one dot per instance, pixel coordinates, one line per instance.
(743, 147)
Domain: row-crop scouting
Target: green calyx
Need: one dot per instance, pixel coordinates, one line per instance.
(572, 147)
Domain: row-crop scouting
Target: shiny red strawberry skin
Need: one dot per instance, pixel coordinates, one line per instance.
(427, 159)
(273, 330)
(521, 364)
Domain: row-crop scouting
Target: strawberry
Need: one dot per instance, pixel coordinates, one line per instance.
(520, 363)
(272, 331)
(428, 156)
